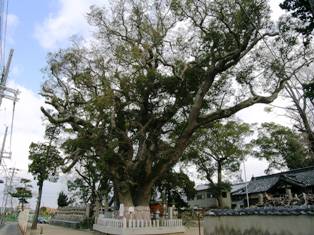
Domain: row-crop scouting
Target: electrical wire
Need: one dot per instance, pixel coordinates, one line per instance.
(253, 24)
(1, 32)
(5, 30)
(11, 131)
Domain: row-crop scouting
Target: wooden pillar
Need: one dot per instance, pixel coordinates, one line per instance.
(289, 194)
(260, 199)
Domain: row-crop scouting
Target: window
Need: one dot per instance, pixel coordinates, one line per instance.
(209, 195)
(224, 194)
(199, 197)
(190, 198)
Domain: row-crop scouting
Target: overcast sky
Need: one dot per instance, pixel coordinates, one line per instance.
(36, 27)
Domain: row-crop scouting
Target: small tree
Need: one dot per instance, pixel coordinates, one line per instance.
(45, 161)
(174, 186)
(23, 192)
(63, 200)
(219, 150)
(91, 186)
(281, 147)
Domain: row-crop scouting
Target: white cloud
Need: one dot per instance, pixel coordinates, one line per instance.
(27, 124)
(28, 128)
(13, 21)
(257, 113)
(275, 8)
(69, 20)
(12, 24)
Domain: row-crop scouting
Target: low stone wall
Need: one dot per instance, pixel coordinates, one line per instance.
(194, 231)
(260, 221)
(69, 217)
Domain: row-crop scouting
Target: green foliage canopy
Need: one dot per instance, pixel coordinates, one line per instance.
(221, 148)
(157, 72)
(302, 10)
(23, 192)
(45, 159)
(63, 200)
(219, 151)
(174, 187)
(281, 147)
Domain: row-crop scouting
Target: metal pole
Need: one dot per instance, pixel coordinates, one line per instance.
(10, 187)
(246, 183)
(6, 74)
(199, 223)
(3, 144)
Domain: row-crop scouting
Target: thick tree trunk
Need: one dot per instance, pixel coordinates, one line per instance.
(92, 210)
(35, 219)
(125, 198)
(219, 181)
(135, 202)
(141, 200)
(142, 195)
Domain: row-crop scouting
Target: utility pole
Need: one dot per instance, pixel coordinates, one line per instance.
(246, 189)
(6, 92)
(9, 187)
(3, 144)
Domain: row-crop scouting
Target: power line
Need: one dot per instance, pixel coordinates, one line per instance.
(5, 29)
(1, 31)
(257, 30)
(6, 194)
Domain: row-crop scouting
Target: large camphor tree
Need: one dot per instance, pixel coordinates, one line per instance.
(156, 72)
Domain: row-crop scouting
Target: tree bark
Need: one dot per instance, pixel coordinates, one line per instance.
(92, 207)
(124, 193)
(142, 195)
(137, 198)
(35, 219)
(219, 181)
(304, 118)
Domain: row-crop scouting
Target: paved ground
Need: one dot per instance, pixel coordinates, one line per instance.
(10, 229)
(58, 230)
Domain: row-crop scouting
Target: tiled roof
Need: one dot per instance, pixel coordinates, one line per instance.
(234, 187)
(202, 187)
(238, 186)
(302, 177)
(300, 210)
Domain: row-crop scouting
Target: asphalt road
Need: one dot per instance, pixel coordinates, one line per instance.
(10, 229)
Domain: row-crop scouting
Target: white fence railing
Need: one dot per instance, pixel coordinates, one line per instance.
(22, 220)
(138, 227)
(123, 223)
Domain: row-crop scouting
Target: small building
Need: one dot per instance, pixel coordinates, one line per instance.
(284, 188)
(204, 197)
